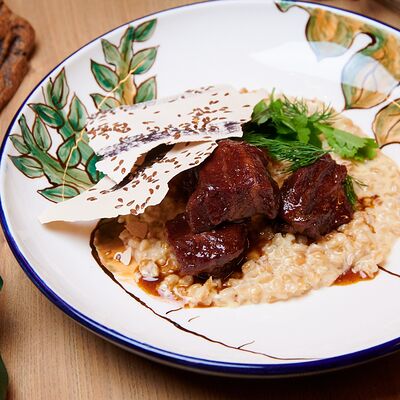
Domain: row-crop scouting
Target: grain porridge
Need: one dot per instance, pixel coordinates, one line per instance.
(285, 265)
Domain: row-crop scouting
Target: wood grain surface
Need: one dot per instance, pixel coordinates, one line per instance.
(48, 355)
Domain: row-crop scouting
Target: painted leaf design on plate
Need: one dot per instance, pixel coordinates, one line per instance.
(372, 73)
(59, 193)
(19, 144)
(386, 125)
(143, 60)
(71, 168)
(104, 103)
(124, 64)
(111, 53)
(28, 166)
(146, 91)
(60, 90)
(125, 46)
(49, 115)
(77, 114)
(35, 145)
(145, 30)
(105, 76)
(41, 135)
(69, 152)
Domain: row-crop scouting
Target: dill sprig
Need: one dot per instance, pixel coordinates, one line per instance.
(349, 190)
(291, 120)
(298, 154)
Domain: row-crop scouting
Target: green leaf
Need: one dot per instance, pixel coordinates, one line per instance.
(347, 145)
(146, 91)
(19, 144)
(111, 53)
(145, 30)
(67, 148)
(372, 73)
(102, 103)
(41, 135)
(48, 115)
(60, 90)
(77, 114)
(94, 174)
(26, 132)
(59, 193)
(29, 166)
(143, 60)
(3, 380)
(105, 76)
(298, 154)
(349, 190)
(386, 124)
(84, 149)
(125, 46)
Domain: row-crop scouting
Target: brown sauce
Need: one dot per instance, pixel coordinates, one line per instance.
(349, 277)
(366, 202)
(150, 286)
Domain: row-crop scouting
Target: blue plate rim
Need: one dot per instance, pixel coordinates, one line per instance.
(168, 357)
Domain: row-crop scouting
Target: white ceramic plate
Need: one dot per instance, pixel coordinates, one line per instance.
(245, 43)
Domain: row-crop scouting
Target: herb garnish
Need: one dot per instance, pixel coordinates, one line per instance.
(291, 120)
(349, 190)
(291, 133)
(297, 153)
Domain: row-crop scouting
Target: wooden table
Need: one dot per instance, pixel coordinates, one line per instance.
(48, 355)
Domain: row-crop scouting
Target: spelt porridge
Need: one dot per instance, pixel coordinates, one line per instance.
(283, 265)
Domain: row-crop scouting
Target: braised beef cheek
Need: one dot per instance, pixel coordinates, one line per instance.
(233, 184)
(313, 199)
(207, 252)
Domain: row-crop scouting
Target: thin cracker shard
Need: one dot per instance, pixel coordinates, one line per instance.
(144, 133)
(112, 200)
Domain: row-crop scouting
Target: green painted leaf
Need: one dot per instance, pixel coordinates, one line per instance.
(102, 103)
(146, 91)
(145, 30)
(111, 53)
(26, 132)
(77, 114)
(125, 45)
(85, 150)
(29, 166)
(94, 174)
(46, 90)
(59, 193)
(143, 60)
(105, 77)
(372, 73)
(386, 124)
(64, 151)
(336, 36)
(60, 90)
(284, 5)
(41, 135)
(19, 144)
(48, 115)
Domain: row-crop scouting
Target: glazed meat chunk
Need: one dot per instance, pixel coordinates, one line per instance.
(206, 252)
(233, 184)
(314, 201)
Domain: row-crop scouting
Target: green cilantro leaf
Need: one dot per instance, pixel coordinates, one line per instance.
(347, 145)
